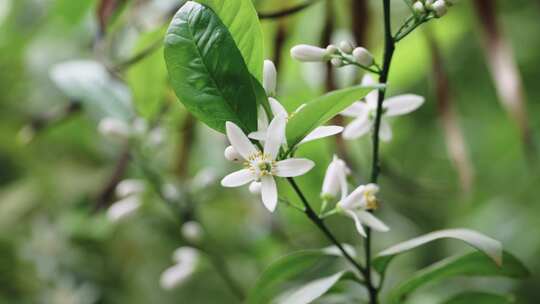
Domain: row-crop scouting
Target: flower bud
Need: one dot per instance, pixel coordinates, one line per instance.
(335, 179)
(123, 208)
(337, 62)
(192, 231)
(255, 187)
(269, 78)
(346, 47)
(232, 155)
(332, 49)
(418, 8)
(129, 187)
(309, 53)
(114, 128)
(363, 56)
(440, 8)
(429, 4)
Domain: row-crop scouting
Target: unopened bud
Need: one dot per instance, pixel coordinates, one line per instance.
(232, 155)
(114, 128)
(346, 47)
(429, 4)
(440, 8)
(129, 187)
(123, 208)
(337, 62)
(332, 49)
(309, 53)
(192, 231)
(363, 56)
(418, 8)
(255, 187)
(269, 78)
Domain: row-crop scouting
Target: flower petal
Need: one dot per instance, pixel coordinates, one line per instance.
(262, 119)
(277, 108)
(358, 127)
(239, 140)
(321, 132)
(274, 136)
(258, 135)
(370, 220)
(269, 192)
(358, 108)
(402, 104)
(269, 77)
(353, 200)
(293, 167)
(238, 178)
(357, 223)
(385, 131)
(335, 179)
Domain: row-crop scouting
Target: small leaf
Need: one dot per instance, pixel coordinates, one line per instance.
(320, 110)
(207, 70)
(312, 290)
(240, 18)
(89, 82)
(477, 297)
(288, 268)
(472, 264)
(492, 248)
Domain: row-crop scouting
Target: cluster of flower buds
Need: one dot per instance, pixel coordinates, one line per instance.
(129, 193)
(438, 7)
(339, 56)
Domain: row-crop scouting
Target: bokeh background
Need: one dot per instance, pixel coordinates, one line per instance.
(467, 158)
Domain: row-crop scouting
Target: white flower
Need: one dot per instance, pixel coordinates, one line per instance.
(186, 259)
(440, 8)
(309, 53)
(269, 78)
(114, 128)
(364, 112)
(129, 187)
(332, 49)
(346, 47)
(123, 208)
(279, 110)
(357, 206)
(419, 8)
(362, 56)
(263, 166)
(192, 231)
(335, 180)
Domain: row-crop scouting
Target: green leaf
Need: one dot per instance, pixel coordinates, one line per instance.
(492, 248)
(477, 297)
(148, 78)
(279, 275)
(242, 21)
(207, 70)
(472, 264)
(320, 110)
(312, 290)
(89, 82)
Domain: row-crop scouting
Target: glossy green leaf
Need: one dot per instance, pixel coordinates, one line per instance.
(242, 21)
(477, 297)
(492, 248)
(312, 290)
(278, 276)
(207, 70)
(320, 110)
(148, 77)
(472, 264)
(89, 82)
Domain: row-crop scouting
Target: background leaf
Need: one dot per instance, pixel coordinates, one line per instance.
(472, 264)
(312, 290)
(477, 297)
(492, 248)
(320, 110)
(207, 70)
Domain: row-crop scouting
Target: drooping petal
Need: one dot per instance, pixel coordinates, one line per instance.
(385, 131)
(358, 108)
(258, 135)
(402, 104)
(238, 178)
(358, 127)
(370, 220)
(269, 78)
(372, 97)
(354, 199)
(322, 132)
(274, 136)
(293, 167)
(239, 140)
(277, 108)
(262, 119)
(269, 192)
(357, 222)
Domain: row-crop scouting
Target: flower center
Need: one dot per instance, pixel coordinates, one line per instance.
(371, 201)
(261, 164)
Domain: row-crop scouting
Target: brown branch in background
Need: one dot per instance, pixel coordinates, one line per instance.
(187, 134)
(106, 9)
(455, 141)
(45, 121)
(106, 196)
(288, 11)
(504, 69)
(279, 43)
